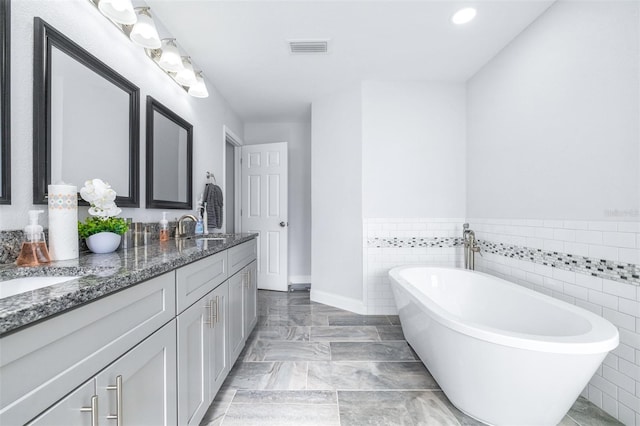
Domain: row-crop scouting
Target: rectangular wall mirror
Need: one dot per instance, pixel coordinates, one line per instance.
(86, 119)
(5, 102)
(169, 158)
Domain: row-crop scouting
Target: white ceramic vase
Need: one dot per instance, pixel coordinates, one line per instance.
(103, 242)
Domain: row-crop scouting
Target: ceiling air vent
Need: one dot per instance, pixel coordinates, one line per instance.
(308, 46)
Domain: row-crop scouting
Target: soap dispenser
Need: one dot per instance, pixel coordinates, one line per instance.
(164, 227)
(34, 247)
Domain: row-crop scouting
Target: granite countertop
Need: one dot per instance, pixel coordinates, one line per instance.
(99, 275)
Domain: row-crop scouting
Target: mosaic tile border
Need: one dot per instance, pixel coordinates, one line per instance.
(601, 268)
(413, 242)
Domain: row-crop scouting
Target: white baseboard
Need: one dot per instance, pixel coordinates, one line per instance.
(346, 303)
(300, 279)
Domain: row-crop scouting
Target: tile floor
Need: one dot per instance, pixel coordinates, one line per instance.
(312, 364)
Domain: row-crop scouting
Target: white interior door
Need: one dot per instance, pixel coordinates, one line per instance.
(264, 209)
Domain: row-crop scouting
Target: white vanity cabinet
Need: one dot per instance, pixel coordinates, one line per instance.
(237, 329)
(250, 298)
(137, 389)
(155, 353)
(43, 363)
(202, 354)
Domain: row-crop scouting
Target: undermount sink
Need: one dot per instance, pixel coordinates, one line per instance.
(22, 285)
(207, 238)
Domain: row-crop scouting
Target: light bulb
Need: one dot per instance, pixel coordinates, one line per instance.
(144, 32)
(170, 59)
(186, 76)
(199, 90)
(120, 11)
(463, 16)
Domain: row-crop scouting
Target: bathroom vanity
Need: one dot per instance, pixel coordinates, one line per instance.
(143, 336)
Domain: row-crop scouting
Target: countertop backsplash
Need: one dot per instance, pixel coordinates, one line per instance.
(10, 241)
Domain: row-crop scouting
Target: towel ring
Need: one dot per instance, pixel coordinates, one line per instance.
(211, 176)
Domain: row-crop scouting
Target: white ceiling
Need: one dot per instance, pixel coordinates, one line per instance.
(242, 45)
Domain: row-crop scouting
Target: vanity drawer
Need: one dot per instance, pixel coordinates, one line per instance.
(42, 363)
(241, 255)
(198, 278)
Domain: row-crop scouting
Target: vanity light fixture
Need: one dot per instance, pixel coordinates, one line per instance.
(138, 24)
(119, 11)
(186, 76)
(144, 32)
(170, 59)
(463, 16)
(199, 90)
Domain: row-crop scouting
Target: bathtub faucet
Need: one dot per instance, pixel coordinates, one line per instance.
(471, 247)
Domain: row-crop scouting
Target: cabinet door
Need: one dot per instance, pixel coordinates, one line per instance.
(75, 409)
(251, 298)
(236, 315)
(140, 387)
(219, 360)
(193, 361)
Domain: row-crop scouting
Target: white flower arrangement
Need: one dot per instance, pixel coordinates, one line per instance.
(103, 210)
(101, 197)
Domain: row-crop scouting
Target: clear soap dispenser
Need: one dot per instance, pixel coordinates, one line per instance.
(34, 247)
(164, 228)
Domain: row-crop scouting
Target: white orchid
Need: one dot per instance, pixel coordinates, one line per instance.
(101, 197)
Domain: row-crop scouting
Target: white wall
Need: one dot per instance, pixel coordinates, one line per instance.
(413, 150)
(553, 119)
(553, 131)
(298, 136)
(82, 22)
(336, 197)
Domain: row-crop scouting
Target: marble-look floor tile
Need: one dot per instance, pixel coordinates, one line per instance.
(325, 309)
(393, 408)
(218, 409)
(462, 418)
(355, 319)
(344, 334)
(568, 421)
(268, 375)
(587, 414)
(286, 397)
(297, 320)
(353, 375)
(290, 310)
(272, 350)
(394, 319)
(371, 351)
(296, 334)
(390, 332)
(257, 414)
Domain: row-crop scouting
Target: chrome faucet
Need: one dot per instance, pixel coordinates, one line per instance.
(471, 247)
(180, 231)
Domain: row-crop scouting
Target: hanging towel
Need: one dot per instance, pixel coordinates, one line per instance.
(213, 198)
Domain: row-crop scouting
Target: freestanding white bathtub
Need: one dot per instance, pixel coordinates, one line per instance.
(502, 353)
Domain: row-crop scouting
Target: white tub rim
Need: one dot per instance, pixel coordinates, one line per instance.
(602, 337)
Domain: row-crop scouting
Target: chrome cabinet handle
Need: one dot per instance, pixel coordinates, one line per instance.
(93, 410)
(209, 317)
(216, 315)
(118, 388)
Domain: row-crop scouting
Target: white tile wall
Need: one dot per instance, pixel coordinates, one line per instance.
(616, 385)
(378, 261)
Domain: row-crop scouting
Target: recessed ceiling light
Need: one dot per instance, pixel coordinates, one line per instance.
(463, 16)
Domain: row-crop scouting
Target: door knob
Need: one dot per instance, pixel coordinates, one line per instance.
(282, 224)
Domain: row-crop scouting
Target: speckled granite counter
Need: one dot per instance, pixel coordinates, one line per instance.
(100, 275)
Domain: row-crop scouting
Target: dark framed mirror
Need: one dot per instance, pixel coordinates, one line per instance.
(86, 119)
(169, 158)
(5, 102)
